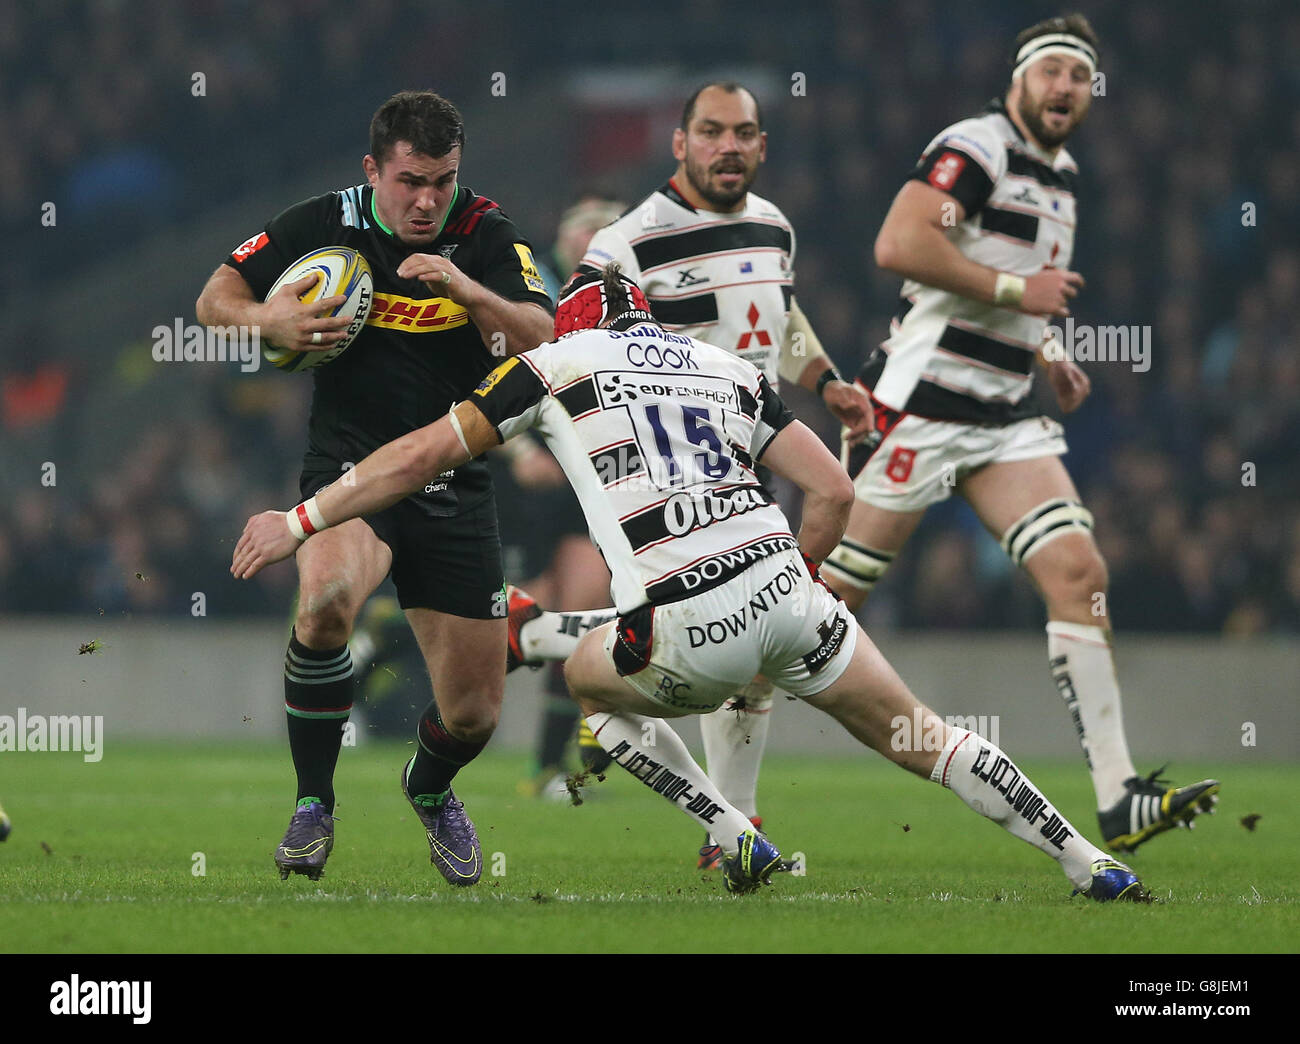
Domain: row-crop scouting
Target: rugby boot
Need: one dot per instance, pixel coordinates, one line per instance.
(1112, 881)
(711, 854)
(1149, 808)
(307, 842)
(453, 843)
(751, 867)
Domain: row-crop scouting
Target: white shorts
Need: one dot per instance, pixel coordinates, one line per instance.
(773, 619)
(920, 461)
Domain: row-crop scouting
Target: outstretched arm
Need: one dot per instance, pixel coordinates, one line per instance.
(382, 479)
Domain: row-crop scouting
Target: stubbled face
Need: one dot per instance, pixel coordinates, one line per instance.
(719, 153)
(413, 192)
(1052, 98)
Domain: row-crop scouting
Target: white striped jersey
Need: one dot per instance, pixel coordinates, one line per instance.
(725, 278)
(658, 435)
(953, 358)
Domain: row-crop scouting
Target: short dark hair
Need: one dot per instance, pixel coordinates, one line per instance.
(731, 87)
(1073, 23)
(428, 121)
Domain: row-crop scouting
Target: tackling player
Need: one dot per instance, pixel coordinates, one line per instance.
(660, 436)
(451, 272)
(716, 261)
(982, 234)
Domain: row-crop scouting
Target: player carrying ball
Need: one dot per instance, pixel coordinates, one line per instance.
(660, 436)
(452, 273)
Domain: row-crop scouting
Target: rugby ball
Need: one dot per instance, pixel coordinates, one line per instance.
(343, 271)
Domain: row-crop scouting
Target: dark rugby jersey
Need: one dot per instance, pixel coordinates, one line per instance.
(418, 352)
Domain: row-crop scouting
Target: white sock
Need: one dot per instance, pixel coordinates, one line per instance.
(989, 782)
(734, 741)
(656, 755)
(554, 636)
(1084, 672)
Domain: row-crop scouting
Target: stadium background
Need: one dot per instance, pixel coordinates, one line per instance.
(163, 135)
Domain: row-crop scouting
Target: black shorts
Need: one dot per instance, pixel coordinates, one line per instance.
(452, 565)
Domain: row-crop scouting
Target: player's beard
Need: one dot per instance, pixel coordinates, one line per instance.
(1031, 110)
(721, 198)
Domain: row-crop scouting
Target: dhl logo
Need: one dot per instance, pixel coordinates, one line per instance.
(393, 312)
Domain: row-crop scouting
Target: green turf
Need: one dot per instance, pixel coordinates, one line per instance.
(102, 856)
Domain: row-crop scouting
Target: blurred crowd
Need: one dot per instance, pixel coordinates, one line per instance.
(1189, 206)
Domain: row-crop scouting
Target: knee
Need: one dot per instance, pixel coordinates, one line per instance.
(325, 615)
(1077, 580)
(472, 720)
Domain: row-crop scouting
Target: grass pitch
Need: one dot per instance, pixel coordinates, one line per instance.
(106, 858)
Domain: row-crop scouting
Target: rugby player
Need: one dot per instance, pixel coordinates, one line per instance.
(982, 233)
(452, 273)
(716, 261)
(660, 436)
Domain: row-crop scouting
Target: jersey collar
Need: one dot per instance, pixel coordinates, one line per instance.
(455, 202)
(670, 190)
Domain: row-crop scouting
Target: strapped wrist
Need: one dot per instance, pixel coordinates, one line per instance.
(828, 375)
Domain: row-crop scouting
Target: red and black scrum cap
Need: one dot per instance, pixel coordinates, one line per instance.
(600, 299)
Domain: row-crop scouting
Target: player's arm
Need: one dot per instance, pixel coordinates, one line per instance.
(804, 361)
(523, 324)
(800, 456)
(235, 293)
(392, 472)
(792, 450)
(507, 402)
(914, 243)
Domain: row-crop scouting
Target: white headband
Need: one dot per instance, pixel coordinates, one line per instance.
(1055, 43)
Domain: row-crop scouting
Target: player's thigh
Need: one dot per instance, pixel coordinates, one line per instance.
(1003, 492)
(596, 685)
(466, 659)
(1062, 567)
(880, 528)
(873, 704)
(338, 568)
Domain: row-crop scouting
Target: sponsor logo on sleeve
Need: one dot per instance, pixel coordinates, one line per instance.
(528, 268)
(250, 246)
(493, 379)
(946, 170)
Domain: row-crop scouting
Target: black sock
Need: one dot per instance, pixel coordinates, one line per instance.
(557, 721)
(438, 755)
(318, 693)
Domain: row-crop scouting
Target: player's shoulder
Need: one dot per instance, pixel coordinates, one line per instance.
(1065, 162)
(984, 137)
(717, 360)
(473, 214)
(761, 209)
(327, 208)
